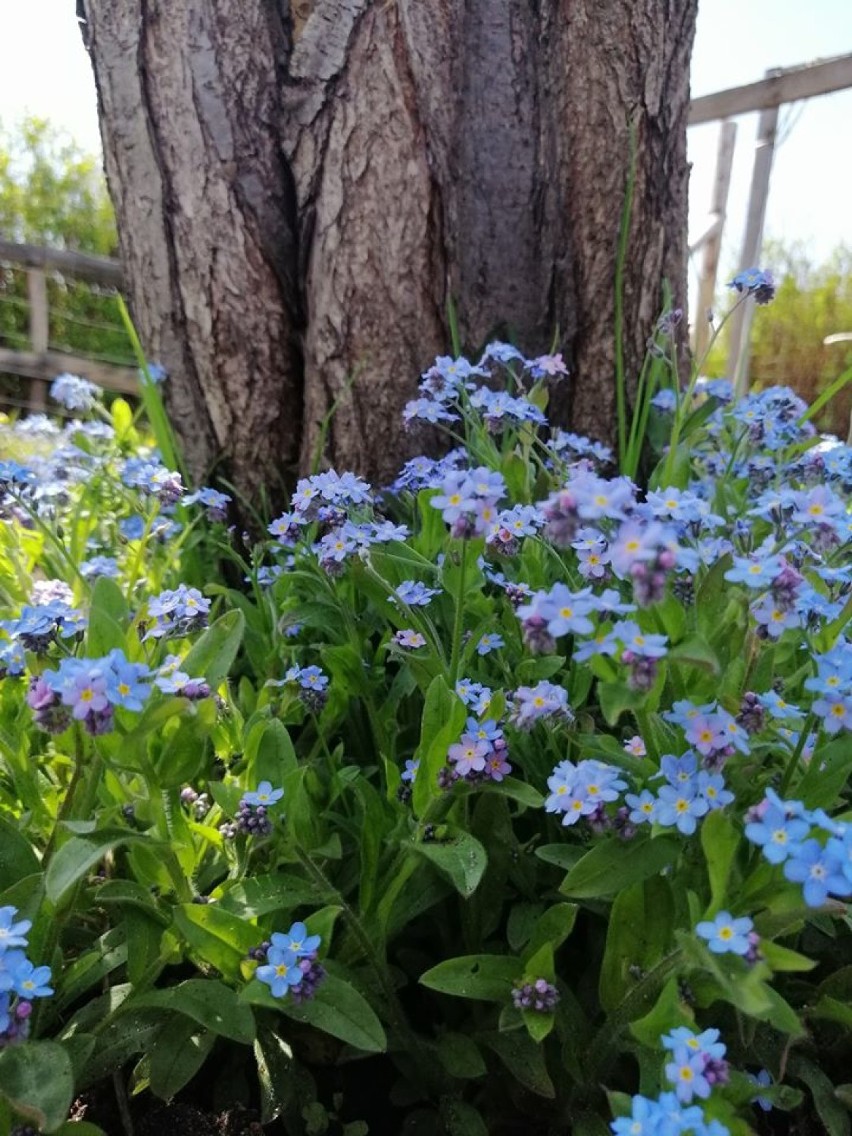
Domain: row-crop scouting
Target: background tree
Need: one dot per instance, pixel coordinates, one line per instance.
(53, 193)
(300, 194)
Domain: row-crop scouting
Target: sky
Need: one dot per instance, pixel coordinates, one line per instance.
(44, 69)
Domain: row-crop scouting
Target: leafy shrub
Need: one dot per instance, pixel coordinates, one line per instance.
(531, 780)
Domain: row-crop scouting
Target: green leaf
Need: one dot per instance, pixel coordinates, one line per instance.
(374, 824)
(444, 716)
(206, 1001)
(216, 936)
(77, 856)
(461, 1118)
(487, 978)
(460, 1055)
(519, 791)
(696, 652)
(433, 531)
(531, 671)
(783, 959)
(538, 1025)
(261, 895)
(121, 1037)
(830, 1008)
(562, 855)
(337, 1008)
(612, 865)
(346, 667)
(274, 1059)
(827, 774)
(213, 655)
(831, 1112)
(17, 858)
(616, 698)
(639, 931)
(177, 1053)
(668, 1012)
(552, 928)
(108, 618)
(719, 840)
(270, 754)
(108, 953)
(144, 932)
(36, 1079)
(461, 858)
(523, 1058)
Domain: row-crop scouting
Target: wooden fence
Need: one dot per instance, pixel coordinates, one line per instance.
(782, 85)
(42, 359)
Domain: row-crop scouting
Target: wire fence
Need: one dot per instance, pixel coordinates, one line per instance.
(52, 321)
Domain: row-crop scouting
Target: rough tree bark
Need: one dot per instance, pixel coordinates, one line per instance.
(299, 193)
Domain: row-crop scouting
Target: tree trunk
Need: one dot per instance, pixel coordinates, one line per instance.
(298, 199)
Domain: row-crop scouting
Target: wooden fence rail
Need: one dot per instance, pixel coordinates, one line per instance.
(39, 362)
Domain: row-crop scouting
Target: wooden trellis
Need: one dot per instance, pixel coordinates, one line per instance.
(782, 85)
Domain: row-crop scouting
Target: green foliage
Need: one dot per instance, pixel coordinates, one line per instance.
(54, 194)
(503, 899)
(787, 349)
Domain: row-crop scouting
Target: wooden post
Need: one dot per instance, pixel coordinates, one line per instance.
(39, 330)
(712, 239)
(740, 324)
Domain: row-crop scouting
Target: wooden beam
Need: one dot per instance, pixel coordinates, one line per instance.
(39, 329)
(95, 269)
(47, 365)
(788, 86)
(739, 328)
(712, 240)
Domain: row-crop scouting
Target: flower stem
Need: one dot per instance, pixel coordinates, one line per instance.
(458, 622)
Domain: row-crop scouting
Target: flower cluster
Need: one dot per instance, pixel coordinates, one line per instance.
(176, 613)
(20, 980)
(151, 477)
(821, 863)
(74, 393)
(480, 755)
(688, 795)
(215, 503)
(447, 389)
(582, 790)
(665, 1116)
(545, 700)
(289, 964)
(697, 1062)
(38, 627)
(252, 817)
(538, 995)
(833, 686)
(312, 684)
(468, 500)
(88, 691)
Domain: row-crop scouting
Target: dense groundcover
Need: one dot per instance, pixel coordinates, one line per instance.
(512, 797)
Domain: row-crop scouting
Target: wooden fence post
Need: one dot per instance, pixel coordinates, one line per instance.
(711, 241)
(39, 331)
(740, 324)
